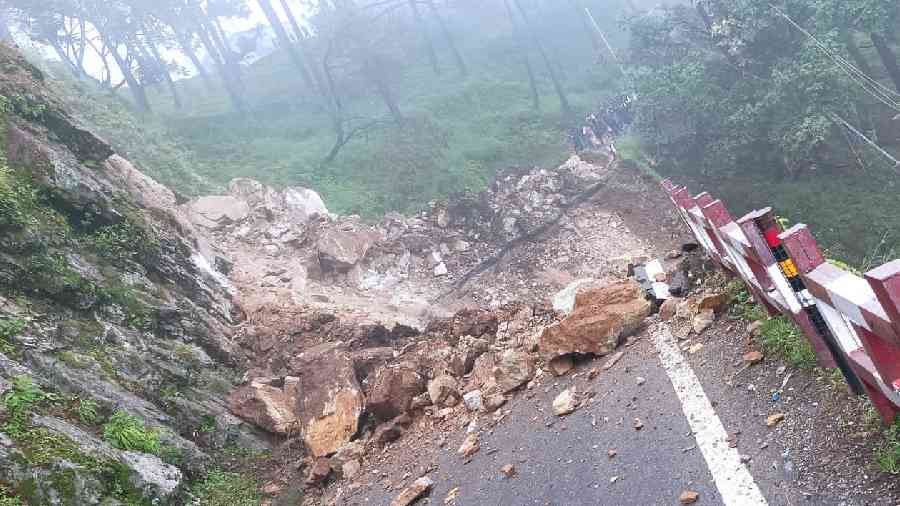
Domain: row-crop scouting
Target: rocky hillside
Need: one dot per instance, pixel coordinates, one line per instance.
(159, 350)
(116, 342)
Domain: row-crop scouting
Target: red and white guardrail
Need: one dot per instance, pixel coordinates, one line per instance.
(852, 322)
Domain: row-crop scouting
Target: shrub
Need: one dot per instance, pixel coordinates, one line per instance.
(9, 328)
(20, 402)
(128, 432)
(221, 488)
(87, 411)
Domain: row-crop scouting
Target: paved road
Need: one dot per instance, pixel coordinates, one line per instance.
(566, 462)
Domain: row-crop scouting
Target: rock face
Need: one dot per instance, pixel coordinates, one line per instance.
(601, 318)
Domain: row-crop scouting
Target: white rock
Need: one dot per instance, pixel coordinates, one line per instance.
(564, 300)
(440, 269)
(474, 400)
(565, 403)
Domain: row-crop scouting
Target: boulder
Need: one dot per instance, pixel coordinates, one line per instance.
(392, 390)
(668, 309)
(393, 430)
(444, 391)
(303, 204)
(340, 248)
(601, 318)
(564, 300)
(703, 320)
(331, 400)
(269, 403)
(514, 369)
(217, 211)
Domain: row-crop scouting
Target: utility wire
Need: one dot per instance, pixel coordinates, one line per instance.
(870, 142)
(880, 92)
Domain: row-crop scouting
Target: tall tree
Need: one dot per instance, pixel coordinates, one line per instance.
(523, 50)
(285, 41)
(557, 85)
(457, 56)
(426, 36)
(888, 57)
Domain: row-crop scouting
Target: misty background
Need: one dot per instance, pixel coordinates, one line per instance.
(385, 105)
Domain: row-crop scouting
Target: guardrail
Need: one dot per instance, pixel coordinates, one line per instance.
(852, 322)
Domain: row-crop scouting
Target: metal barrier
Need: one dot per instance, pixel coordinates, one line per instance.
(852, 322)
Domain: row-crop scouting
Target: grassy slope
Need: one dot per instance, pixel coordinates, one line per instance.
(458, 133)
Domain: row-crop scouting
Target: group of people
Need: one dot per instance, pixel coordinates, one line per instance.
(598, 131)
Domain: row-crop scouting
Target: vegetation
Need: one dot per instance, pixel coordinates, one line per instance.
(221, 488)
(888, 455)
(10, 328)
(779, 336)
(87, 411)
(737, 100)
(19, 403)
(128, 432)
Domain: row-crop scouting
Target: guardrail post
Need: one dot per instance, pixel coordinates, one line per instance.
(883, 344)
(802, 257)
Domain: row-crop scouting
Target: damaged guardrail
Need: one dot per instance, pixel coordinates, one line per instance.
(852, 322)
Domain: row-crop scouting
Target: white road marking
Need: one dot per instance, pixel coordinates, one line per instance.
(733, 479)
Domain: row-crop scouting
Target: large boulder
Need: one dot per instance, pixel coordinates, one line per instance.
(392, 391)
(217, 211)
(341, 247)
(303, 204)
(269, 403)
(331, 400)
(601, 318)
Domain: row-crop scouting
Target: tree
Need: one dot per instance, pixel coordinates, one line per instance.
(523, 50)
(426, 35)
(284, 40)
(557, 85)
(457, 56)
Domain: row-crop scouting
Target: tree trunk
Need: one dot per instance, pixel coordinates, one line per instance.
(457, 56)
(305, 53)
(383, 88)
(231, 66)
(532, 82)
(185, 42)
(285, 40)
(213, 52)
(888, 58)
(557, 85)
(136, 88)
(167, 76)
(426, 36)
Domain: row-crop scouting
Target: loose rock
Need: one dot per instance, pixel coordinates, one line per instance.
(470, 446)
(413, 492)
(688, 497)
(565, 403)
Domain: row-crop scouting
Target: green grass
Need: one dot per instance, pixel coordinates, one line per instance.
(221, 488)
(779, 336)
(887, 456)
(87, 411)
(128, 432)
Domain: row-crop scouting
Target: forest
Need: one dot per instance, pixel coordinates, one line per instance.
(385, 105)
